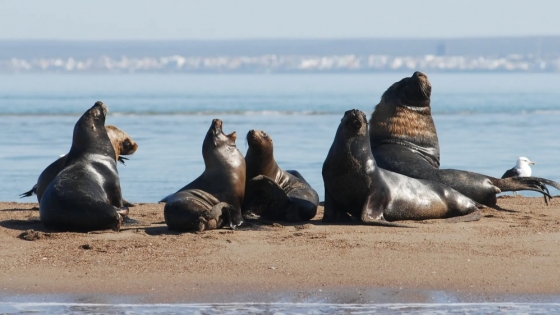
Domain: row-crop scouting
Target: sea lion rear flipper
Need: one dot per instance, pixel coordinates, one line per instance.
(526, 183)
(122, 159)
(29, 193)
(372, 214)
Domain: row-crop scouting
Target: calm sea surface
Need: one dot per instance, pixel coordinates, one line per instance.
(484, 121)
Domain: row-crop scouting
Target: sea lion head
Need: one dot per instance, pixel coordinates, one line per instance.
(90, 134)
(216, 139)
(414, 91)
(122, 142)
(259, 141)
(354, 123)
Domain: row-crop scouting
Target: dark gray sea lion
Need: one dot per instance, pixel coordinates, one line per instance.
(404, 140)
(271, 192)
(122, 144)
(355, 186)
(214, 198)
(86, 194)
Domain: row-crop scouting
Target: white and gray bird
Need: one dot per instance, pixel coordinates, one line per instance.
(521, 169)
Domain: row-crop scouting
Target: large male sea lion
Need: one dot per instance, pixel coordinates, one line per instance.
(86, 194)
(215, 197)
(404, 140)
(355, 186)
(271, 192)
(122, 144)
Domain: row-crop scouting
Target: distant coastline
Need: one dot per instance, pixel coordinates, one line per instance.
(507, 54)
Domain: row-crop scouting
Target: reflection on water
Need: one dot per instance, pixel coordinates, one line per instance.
(280, 308)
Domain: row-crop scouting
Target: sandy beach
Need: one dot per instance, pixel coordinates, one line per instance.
(509, 252)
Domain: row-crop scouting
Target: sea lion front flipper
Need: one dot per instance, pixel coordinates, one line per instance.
(265, 198)
(372, 214)
(127, 204)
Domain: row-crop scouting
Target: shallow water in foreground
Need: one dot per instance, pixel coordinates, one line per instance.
(280, 308)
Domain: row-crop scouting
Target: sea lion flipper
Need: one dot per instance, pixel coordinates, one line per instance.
(265, 198)
(372, 214)
(30, 192)
(122, 159)
(128, 204)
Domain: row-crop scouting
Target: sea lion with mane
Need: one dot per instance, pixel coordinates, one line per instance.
(270, 192)
(404, 140)
(356, 187)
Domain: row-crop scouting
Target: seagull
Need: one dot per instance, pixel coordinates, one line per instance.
(521, 169)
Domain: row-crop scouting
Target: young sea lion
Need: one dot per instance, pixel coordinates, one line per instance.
(122, 144)
(215, 197)
(355, 186)
(271, 192)
(404, 140)
(86, 194)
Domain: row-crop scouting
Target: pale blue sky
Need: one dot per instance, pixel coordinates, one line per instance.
(213, 19)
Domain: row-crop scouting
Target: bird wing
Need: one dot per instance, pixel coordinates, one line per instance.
(512, 172)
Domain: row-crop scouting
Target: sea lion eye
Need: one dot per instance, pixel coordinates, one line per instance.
(264, 134)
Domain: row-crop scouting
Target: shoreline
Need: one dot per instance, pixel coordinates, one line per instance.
(509, 255)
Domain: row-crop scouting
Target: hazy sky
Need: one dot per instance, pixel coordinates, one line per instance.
(234, 19)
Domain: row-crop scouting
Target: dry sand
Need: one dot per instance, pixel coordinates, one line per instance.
(513, 252)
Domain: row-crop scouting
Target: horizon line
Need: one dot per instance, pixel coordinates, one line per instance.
(283, 39)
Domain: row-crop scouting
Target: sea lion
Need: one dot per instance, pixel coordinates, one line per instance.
(86, 194)
(271, 192)
(215, 197)
(122, 144)
(355, 186)
(404, 140)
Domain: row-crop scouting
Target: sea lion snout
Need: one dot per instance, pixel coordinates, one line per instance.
(355, 118)
(104, 108)
(217, 124)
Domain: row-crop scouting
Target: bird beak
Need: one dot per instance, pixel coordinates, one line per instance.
(533, 163)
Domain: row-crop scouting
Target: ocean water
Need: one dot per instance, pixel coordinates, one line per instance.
(484, 121)
(281, 308)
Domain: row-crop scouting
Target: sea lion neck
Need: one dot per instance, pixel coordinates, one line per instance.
(90, 136)
(259, 159)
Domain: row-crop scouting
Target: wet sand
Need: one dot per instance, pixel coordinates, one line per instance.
(509, 253)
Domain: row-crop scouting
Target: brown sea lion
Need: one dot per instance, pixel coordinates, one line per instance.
(404, 140)
(355, 186)
(86, 194)
(270, 192)
(122, 144)
(213, 199)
